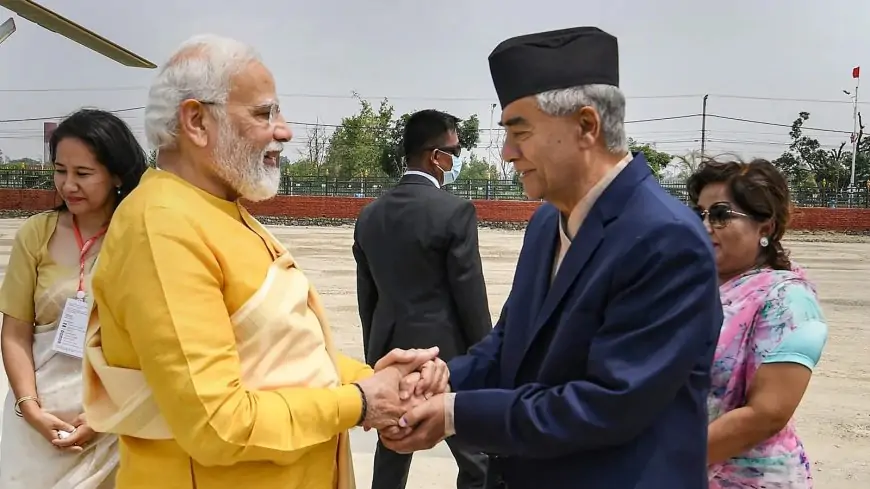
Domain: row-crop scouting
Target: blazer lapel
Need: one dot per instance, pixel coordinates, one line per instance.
(589, 238)
(545, 254)
(534, 285)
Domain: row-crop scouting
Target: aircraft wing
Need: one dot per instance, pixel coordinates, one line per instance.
(52, 21)
(7, 29)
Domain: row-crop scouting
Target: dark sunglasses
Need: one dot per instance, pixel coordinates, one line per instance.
(719, 214)
(452, 150)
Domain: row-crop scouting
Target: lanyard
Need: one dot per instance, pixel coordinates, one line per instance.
(84, 247)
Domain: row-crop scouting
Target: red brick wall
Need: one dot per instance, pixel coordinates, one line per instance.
(825, 219)
(27, 200)
(349, 208)
(805, 218)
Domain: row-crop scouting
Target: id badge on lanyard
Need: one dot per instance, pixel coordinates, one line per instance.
(73, 325)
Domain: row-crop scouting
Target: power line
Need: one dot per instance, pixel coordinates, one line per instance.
(483, 144)
(776, 124)
(754, 133)
(65, 90)
(487, 129)
(637, 121)
(423, 97)
(36, 119)
(785, 99)
(317, 124)
(348, 96)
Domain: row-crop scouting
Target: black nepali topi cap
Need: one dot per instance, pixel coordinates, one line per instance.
(537, 63)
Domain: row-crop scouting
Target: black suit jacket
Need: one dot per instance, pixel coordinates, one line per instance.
(419, 278)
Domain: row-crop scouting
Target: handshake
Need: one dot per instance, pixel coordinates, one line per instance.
(404, 399)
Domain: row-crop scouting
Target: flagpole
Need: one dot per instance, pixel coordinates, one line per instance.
(854, 131)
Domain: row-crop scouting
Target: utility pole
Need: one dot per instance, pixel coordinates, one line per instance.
(857, 77)
(491, 122)
(704, 126)
(491, 149)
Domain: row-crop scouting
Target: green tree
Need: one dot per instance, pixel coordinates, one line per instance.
(657, 160)
(807, 163)
(315, 151)
(392, 159)
(469, 132)
(862, 159)
(862, 165)
(299, 168)
(685, 165)
(356, 146)
(24, 162)
(476, 168)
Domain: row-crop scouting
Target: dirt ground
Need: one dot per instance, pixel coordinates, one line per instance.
(834, 417)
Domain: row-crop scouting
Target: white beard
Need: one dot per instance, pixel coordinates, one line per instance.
(241, 165)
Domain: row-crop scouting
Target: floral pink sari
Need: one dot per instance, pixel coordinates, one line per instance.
(758, 307)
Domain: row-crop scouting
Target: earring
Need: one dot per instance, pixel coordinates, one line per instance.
(118, 191)
(764, 241)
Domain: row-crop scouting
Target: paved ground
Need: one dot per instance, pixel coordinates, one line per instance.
(834, 418)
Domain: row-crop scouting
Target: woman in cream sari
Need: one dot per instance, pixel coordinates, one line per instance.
(47, 443)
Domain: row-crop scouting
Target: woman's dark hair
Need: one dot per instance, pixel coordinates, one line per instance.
(112, 143)
(759, 190)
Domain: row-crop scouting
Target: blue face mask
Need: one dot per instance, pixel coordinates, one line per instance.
(453, 174)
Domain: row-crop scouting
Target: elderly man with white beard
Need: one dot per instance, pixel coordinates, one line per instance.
(208, 351)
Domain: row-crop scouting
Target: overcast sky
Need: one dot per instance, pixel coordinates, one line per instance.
(433, 54)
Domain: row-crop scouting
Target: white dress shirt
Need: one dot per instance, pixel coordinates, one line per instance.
(424, 174)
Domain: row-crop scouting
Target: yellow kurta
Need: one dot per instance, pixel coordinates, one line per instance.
(176, 265)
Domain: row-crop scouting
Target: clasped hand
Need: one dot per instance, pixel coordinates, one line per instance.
(405, 400)
(49, 426)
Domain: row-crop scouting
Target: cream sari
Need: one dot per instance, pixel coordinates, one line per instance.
(274, 350)
(27, 460)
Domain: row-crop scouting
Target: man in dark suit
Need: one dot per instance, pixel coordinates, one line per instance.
(597, 372)
(419, 277)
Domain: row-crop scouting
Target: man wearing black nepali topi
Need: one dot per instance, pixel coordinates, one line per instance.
(597, 372)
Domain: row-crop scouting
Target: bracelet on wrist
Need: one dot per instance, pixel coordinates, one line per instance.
(21, 401)
(365, 404)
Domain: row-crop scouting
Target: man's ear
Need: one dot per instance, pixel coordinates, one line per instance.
(192, 122)
(588, 125)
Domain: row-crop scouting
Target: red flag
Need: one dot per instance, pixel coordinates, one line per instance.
(856, 72)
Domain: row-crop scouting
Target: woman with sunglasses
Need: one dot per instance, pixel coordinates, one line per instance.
(773, 332)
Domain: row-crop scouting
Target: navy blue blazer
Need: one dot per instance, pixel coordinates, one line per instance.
(600, 380)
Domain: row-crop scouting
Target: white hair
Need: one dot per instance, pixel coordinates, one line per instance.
(201, 68)
(607, 100)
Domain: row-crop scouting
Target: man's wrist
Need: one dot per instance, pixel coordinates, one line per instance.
(449, 423)
(365, 405)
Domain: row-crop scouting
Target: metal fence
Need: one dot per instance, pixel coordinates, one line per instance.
(510, 190)
(31, 178)
(469, 189)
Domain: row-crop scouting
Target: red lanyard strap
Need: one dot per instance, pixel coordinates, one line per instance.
(84, 247)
